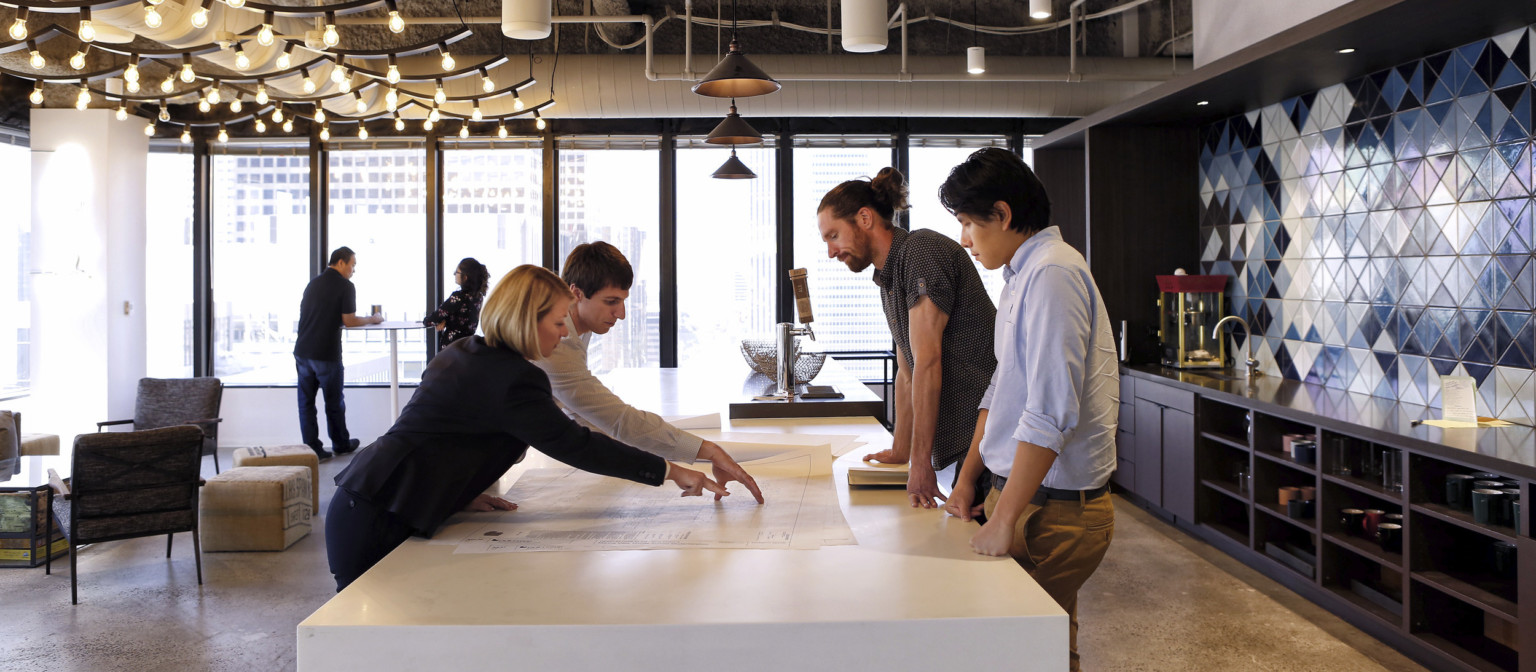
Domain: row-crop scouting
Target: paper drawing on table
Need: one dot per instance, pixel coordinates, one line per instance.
(706, 421)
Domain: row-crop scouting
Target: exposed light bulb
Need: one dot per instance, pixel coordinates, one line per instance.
(168, 85)
(223, 135)
(261, 94)
(122, 113)
(325, 133)
(19, 29)
(186, 136)
(236, 106)
(264, 37)
(464, 131)
(539, 123)
(346, 85)
(399, 124)
(361, 105)
(242, 62)
(38, 62)
(277, 115)
(130, 74)
(83, 100)
(37, 94)
(339, 74)
(434, 115)
(330, 36)
(131, 87)
(214, 96)
(87, 32)
(309, 84)
(200, 18)
(288, 126)
(476, 114)
(77, 61)
(447, 61)
(426, 125)
(487, 84)
(204, 106)
(501, 131)
(153, 20)
(362, 132)
(391, 100)
(165, 114)
(149, 129)
(237, 4)
(284, 61)
(261, 126)
(396, 22)
(393, 76)
(441, 96)
(319, 114)
(517, 103)
(187, 75)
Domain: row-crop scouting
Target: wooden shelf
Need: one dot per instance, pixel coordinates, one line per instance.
(1282, 458)
(1471, 594)
(1459, 653)
(1225, 440)
(1369, 550)
(1225, 488)
(1276, 511)
(1367, 606)
(1366, 487)
(1464, 520)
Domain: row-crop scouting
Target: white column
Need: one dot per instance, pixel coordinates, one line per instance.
(88, 334)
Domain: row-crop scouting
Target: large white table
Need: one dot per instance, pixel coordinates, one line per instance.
(910, 595)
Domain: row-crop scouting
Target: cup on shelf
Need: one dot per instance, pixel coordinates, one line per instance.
(1458, 491)
(1308, 493)
(1289, 493)
(1240, 477)
(1299, 509)
(1391, 470)
(1371, 519)
(1304, 451)
(1391, 537)
(1394, 518)
(1486, 506)
(1488, 476)
(1504, 559)
(1507, 505)
(1352, 520)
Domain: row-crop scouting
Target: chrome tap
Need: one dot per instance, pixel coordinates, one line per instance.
(789, 350)
(1253, 364)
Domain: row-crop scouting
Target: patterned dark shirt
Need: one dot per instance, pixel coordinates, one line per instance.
(460, 314)
(928, 263)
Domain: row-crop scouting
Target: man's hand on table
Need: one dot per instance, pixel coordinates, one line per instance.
(887, 456)
(490, 503)
(692, 482)
(726, 469)
(994, 539)
(960, 502)
(923, 486)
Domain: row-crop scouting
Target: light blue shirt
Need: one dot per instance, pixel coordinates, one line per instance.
(1057, 381)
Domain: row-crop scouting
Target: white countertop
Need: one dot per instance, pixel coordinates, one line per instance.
(910, 594)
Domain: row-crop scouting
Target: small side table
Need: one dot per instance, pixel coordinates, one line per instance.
(26, 513)
(394, 329)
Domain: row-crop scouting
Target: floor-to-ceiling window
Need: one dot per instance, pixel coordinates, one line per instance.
(846, 304)
(610, 190)
(493, 208)
(726, 251)
(15, 268)
(168, 281)
(931, 159)
(261, 255)
(378, 208)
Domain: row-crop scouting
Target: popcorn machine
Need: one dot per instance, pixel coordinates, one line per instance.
(1188, 307)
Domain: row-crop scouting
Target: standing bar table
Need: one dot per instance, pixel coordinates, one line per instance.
(394, 329)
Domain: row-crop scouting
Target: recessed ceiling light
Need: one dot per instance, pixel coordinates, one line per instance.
(1203, 103)
(1347, 50)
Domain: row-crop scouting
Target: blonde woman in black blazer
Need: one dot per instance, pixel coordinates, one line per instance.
(481, 404)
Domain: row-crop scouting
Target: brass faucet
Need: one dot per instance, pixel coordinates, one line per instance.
(1253, 364)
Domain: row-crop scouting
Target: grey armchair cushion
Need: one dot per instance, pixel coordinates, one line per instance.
(132, 484)
(165, 402)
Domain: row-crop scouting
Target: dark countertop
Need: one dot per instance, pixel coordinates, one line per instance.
(1510, 451)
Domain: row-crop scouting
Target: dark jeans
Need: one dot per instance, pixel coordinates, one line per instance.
(315, 374)
(358, 535)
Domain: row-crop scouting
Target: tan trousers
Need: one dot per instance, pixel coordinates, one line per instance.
(1060, 545)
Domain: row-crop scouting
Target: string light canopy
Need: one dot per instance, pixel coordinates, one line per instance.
(735, 76)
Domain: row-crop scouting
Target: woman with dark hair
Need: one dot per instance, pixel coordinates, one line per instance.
(459, 315)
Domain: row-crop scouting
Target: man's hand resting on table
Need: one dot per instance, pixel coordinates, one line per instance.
(490, 503)
(726, 469)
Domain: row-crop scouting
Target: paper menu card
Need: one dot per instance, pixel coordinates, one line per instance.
(1458, 399)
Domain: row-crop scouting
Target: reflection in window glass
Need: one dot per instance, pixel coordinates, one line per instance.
(168, 271)
(378, 208)
(613, 195)
(726, 253)
(15, 269)
(930, 167)
(846, 304)
(261, 256)
(493, 210)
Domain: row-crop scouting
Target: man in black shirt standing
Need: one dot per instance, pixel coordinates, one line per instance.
(330, 302)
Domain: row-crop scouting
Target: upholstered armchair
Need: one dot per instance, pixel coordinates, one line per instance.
(125, 485)
(167, 402)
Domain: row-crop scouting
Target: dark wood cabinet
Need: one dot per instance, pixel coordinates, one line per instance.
(1149, 452)
(1178, 456)
(1162, 445)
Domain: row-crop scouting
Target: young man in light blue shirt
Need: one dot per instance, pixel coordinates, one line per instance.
(1046, 429)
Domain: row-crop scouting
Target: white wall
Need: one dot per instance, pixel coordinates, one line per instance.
(1225, 26)
(88, 255)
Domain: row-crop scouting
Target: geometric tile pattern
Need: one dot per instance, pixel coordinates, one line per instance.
(1379, 233)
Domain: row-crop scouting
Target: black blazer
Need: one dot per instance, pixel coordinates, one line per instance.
(477, 411)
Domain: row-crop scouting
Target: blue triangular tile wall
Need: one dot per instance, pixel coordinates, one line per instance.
(1379, 232)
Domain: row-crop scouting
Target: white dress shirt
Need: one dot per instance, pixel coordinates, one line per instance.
(1057, 381)
(591, 403)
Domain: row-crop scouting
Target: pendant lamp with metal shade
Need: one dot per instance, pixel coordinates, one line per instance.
(734, 130)
(735, 76)
(734, 169)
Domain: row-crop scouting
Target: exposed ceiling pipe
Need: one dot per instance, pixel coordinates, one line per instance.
(1072, 11)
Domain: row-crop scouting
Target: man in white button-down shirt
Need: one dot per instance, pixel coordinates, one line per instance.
(600, 277)
(1047, 424)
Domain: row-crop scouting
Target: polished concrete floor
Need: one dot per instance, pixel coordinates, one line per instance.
(1161, 601)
